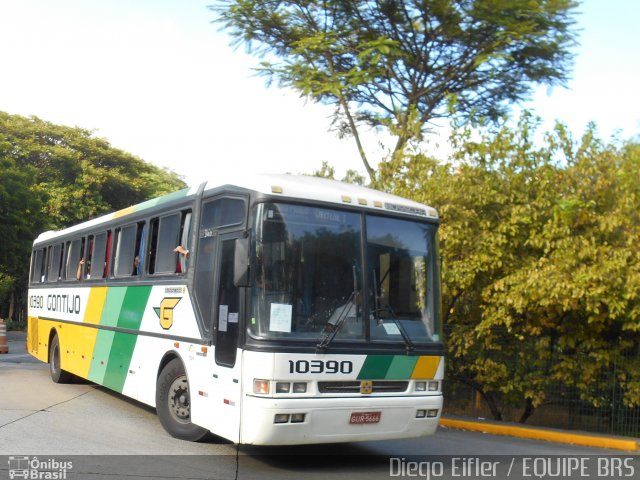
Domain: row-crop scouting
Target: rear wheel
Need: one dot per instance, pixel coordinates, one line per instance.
(173, 403)
(57, 374)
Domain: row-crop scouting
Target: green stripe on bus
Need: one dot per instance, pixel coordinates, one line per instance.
(133, 306)
(101, 351)
(119, 360)
(375, 367)
(104, 339)
(112, 306)
(160, 200)
(401, 367)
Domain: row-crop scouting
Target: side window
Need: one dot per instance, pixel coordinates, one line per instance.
(125, 250)
(223, 212)
(167, 233)
(74, 254)
(88, 258)
(216, 214)
(107, 263)
(99, 256)
(169, 229)
(54, 263)
(38, 266)
(153, 245)
(185, 232)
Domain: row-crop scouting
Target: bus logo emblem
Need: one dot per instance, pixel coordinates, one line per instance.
(165, 311)
(366, 387)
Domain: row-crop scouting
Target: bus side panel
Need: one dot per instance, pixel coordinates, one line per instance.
(169, 311)
(36, 344)
(216, 397)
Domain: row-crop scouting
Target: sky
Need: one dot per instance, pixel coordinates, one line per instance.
(156, 78)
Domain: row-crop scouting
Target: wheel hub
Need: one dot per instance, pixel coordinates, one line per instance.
(179, 404)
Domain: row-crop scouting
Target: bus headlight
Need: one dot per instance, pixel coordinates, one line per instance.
(283, 387)
(433, 386)
(421, 386)
(300, 387)
(281, 418)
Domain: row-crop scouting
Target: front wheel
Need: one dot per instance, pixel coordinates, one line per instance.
(173, 403)
(57, 374)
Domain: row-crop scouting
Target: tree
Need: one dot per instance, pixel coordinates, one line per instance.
(52, 177)
(80, 176)
(20, 222)
(351, 176)
(401, 64)
(541, 270)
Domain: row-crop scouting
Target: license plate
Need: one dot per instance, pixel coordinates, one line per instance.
(365, 417)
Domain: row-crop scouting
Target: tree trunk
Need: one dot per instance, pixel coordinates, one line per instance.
(528, 411)
(493, 406)
(12, 298)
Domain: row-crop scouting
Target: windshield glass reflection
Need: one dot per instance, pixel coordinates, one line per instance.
(309, 281)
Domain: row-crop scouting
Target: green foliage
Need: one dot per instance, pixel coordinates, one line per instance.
(351, 176)
(401, 64)
(78, 175)
(52, 177)
(541, 270)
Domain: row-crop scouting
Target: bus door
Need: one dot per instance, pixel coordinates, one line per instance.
(227, 316)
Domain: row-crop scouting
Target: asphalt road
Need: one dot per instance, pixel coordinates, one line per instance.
(106, 435)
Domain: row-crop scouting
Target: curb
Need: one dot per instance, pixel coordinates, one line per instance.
(616, 443)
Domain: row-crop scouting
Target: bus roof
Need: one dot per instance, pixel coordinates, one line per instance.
(306, 187)
(300, 187)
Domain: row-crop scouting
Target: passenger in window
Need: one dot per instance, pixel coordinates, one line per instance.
(182, 251)
(136, 265)
(181, 267)
(79, 270)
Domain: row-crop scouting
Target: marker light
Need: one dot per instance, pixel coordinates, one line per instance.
(432, 413)
(260, 386)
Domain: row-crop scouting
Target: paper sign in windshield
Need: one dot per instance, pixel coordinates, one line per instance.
(280, 319)
(223, 316)
(391, 328)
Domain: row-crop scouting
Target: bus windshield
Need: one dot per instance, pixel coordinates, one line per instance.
(359, 277)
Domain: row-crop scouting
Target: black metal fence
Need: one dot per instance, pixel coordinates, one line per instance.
(565, 406)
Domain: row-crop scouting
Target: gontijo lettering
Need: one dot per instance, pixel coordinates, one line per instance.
(63, 303)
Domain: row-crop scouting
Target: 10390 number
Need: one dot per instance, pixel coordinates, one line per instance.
(344, 367)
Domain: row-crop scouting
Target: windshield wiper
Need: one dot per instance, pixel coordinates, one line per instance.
(376, 299)
(329, 333)
(405, 336)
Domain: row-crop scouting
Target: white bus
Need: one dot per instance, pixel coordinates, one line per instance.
(278, 310)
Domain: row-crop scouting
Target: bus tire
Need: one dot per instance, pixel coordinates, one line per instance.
(58, 375)
(173, 403)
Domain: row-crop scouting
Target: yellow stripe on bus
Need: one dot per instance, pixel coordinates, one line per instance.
(426, 367)
(95, 304)
(83, 339)
(123, 212)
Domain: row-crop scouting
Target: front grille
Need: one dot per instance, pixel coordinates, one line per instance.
(381, 386)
